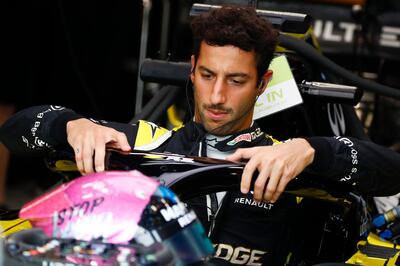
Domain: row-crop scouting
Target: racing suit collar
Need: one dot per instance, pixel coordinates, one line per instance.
(197, 131)
(243, 139)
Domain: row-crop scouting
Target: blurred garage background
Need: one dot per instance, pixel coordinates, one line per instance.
(85, 55)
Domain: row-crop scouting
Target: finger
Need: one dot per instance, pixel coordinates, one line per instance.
(247, 176)
(259, 186)
(123, 142)
(240, 154)
(99, 156)
(112, 145)
(287, 175)
(78, 158)
(281, 187)
(118, 141)
(88, 158)
(275, 177)
(235, 157)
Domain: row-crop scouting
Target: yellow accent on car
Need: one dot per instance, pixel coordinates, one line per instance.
(173, 117)
(66, 165)
(299, 199)
(275, 141)
(8, 227)
(375, 252)
(150, 136)
(308, 36)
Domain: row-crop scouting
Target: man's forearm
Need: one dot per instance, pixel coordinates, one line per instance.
(371, 168)
(37, 129)
(40, 129)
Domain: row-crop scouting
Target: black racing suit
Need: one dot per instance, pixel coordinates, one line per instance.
(248, 232)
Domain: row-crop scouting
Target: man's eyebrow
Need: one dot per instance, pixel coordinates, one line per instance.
(238, 74)
(203, 68)
(229, 75)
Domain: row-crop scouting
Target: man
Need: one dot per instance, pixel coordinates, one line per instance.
(233, 49)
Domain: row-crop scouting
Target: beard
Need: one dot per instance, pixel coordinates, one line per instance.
(223, 128)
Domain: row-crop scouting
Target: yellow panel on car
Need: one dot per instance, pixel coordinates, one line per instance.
(375, 252)
(8, 227)
(150, 136)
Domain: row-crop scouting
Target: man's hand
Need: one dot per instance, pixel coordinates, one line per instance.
(89, 139)
(277, 165)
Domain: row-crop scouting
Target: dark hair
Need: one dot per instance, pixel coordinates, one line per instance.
(240, 27)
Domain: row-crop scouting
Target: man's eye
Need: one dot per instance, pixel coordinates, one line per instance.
(206, 76)
(236, 82)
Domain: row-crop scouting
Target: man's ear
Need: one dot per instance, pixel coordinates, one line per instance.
(193, 65)
(264, 81)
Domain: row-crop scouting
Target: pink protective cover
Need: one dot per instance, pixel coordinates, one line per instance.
(102, 205)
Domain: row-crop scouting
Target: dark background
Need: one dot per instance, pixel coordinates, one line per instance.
(72, 53)
(84, 55)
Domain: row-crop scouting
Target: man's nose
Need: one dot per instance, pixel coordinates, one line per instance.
(218, 94)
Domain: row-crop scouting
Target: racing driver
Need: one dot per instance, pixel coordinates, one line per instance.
(232, 52)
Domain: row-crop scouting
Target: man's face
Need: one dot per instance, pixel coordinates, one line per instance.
(225, 88)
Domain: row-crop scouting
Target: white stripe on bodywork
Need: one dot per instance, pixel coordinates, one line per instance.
(155, 144)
